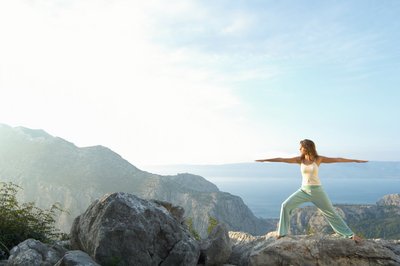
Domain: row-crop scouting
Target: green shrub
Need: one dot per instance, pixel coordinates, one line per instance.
(193, 232)
(19, 222)
(212, 222)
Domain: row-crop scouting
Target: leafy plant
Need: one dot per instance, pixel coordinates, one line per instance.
(212, 223)
(193, 232)
(19, 222)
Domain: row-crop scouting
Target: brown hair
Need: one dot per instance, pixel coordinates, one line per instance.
(311, 151)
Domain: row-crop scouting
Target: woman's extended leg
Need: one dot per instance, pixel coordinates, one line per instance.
(321, 200)
(287, 207)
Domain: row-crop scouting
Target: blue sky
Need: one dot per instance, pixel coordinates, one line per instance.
(164, 82)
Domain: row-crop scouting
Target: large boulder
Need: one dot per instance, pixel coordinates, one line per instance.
(315, 250)
(32, 252)
(123, 229)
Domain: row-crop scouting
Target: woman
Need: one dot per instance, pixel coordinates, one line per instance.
(311, 190)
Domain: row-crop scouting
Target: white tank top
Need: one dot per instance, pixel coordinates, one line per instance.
(310, 174)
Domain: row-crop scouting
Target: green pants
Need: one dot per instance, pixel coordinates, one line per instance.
(316, 195)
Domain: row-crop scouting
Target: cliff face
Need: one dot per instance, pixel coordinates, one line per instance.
(372, 221)
(389, 200)
(50, 169)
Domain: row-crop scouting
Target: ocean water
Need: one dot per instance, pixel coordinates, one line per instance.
(265, 195)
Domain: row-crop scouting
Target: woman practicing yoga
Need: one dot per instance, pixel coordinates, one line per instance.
(311, 190)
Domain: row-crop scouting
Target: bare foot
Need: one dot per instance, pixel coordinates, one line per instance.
(356, 238)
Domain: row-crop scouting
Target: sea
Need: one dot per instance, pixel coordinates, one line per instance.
(264, 196)
(263, 187)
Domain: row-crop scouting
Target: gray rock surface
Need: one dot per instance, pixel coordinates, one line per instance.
(217, 248)
(32, 252)
(312, 250)
(121, 228)
(243, 244)
(176, 211)
(76, 258)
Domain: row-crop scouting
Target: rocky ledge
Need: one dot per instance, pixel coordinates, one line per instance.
(311, 250)
(122, 229)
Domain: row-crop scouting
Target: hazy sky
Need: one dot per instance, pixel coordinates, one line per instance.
(205, 81)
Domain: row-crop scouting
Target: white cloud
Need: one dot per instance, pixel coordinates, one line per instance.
(90, 72)
(153, 80)
(240, 24)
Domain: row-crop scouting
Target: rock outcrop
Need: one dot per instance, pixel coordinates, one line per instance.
(389, 200)
(121, 228)
(311, 250)
(217, 248)
(32, 252)
(75, 258)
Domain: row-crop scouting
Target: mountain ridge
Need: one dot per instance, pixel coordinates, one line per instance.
(51, 169)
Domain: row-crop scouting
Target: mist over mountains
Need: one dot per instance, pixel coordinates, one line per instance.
(51, 169)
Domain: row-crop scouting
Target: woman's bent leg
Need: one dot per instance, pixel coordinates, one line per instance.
(321, 200)
(287, 207)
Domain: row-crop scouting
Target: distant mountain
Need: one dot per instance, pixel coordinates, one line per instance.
(51, 169)
(373, 169)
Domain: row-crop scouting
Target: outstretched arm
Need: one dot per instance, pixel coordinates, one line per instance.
(281, 160)
(323, 159)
